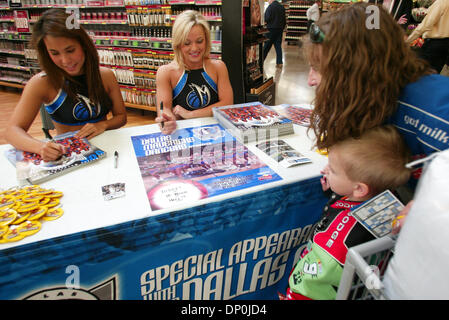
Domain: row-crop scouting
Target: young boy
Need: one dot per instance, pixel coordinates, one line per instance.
(358, 169)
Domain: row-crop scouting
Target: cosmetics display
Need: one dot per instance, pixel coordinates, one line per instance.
(143, 16)
(30, 53)
(103, 16)
(144, 2)
(11, 46)
(297, 20)
(139, 97)
(29, 3)
(14, 76)
(135, 70)
(6, 15)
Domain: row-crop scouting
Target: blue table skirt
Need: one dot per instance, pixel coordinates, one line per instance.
(242, 248)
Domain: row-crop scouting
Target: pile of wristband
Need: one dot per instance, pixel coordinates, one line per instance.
(23, 210)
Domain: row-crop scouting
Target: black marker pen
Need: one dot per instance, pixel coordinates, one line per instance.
(162, 110)
(115, 159)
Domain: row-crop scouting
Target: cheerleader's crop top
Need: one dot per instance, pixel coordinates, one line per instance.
(73, 112)
(195, 90)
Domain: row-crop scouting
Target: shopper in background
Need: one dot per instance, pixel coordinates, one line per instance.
(365, 77)
(358, 169)
(434, 29)
(275, 20)
(313, 14)
(401, 10)
(75, 90)
(192, 84)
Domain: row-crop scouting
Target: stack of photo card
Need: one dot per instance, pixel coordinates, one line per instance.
(253, 121)
(299, 113)
(283, 153)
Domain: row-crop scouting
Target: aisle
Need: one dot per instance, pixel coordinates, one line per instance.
(291, 80)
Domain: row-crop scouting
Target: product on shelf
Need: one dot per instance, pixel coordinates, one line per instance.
(133, 38)
(297, 20)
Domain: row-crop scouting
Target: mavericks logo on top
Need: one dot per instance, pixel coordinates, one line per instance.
(198, 97)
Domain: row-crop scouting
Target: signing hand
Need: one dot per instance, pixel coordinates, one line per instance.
(51, 151)
(91, 130)
(168, 121)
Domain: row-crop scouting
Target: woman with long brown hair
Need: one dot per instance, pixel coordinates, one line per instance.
(366, 75)
(77, 93)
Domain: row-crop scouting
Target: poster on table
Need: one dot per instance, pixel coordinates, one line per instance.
(240, 248)
(196, 163)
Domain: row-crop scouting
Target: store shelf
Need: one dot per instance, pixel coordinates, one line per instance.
(11, 84)
(127, 26)
(13, 66)
(297, 20)
(12, 52)
(140, 106)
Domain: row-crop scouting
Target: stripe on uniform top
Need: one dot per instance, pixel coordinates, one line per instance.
(209, 80)
(56, 103)
(180, 85)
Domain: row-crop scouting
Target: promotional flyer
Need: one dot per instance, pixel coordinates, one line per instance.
(196, 163)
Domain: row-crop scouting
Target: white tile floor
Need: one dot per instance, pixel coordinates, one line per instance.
(291, 80)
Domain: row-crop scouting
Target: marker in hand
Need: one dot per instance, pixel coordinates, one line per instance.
(115, 159)
(162, 110)
(57, 148)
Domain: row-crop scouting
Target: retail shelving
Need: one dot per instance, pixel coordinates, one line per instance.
(136, 30)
